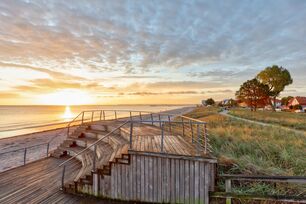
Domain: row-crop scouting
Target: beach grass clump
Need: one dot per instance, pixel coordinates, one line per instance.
(287, 119)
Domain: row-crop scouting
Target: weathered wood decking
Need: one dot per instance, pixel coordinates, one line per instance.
(39, 182)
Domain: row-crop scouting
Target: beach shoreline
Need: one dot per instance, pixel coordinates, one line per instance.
(20, 142)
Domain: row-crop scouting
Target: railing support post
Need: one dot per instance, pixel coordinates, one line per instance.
(131, 116)
(160, 124)
(198, 139)
(183, 127)
(92, 115)
(205, 138)
(115, 115)
(100, 115)
(63, 177)
(94, 159)
(191, 128)
(152, 119)
(103, 115)
(140, 116)
(25, 156)
(131, 135)
(48, 146)
(228, 189)
(162, 139)
(82, 117)
(169, 119)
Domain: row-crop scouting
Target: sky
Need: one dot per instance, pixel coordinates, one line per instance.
(145, 52)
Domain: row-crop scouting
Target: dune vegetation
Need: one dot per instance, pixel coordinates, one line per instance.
(287, 119)
(246, 148)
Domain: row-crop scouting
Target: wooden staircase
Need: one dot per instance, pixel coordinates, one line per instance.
(113, 149)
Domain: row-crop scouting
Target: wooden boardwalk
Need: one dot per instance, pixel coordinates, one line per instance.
(39, 182)
(93, 169)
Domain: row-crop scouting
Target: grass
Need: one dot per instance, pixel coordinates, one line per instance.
(287, 119)
(246, 148)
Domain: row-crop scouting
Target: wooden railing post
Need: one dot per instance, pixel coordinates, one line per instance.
(48, 145)
(160, 124)
(25, 156)
(131, 116)
(115, 115)
(162, 139)
(100, 115)
(140, 116)
(92, 115)
(228, 189)
(103, 115)
(131, 135)
(63, 177)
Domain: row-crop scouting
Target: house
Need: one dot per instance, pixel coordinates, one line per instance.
(203, 102)
(278, 105)
(228, 103)
(298, 101)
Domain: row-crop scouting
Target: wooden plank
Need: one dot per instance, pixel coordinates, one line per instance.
(172, 179)
(191, 185)
(182, 181)
(138, 177)
(196, 182)
(142, 188)
(187, 182)
(177, 179)
(206, 182)
(202, 182)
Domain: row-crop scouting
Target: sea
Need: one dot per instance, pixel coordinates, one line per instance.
(19, 120)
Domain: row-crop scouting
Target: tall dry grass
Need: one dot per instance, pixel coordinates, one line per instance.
(287, 119)
(246, 148)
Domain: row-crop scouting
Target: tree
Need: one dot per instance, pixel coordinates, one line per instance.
(276, 78)
(253, 93)
(210, 101)
(285, 100)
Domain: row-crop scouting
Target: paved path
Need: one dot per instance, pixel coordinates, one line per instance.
(225, 113)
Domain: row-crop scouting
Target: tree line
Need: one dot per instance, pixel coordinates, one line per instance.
(265, 87)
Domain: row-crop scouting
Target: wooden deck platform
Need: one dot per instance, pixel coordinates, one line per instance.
(39, 182)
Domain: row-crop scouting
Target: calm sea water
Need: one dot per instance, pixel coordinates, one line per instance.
(18, 120)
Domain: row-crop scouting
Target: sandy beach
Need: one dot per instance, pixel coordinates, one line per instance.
(12, 148)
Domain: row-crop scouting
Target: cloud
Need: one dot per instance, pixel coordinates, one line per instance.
(173, 45)
(5, 95)
(145, 93)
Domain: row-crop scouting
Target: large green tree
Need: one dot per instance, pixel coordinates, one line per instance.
(253, 93)
(276, 78)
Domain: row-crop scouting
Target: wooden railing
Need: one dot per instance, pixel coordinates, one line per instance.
(228, 195)
(191, 128)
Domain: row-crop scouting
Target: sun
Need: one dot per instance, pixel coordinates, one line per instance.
(67, 97)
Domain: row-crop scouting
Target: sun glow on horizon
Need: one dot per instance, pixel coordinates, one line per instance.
(67, 97)
(67, 114)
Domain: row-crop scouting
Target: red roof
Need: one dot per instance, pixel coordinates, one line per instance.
(301, 100)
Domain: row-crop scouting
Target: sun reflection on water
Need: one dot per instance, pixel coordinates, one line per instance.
(67, 115)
